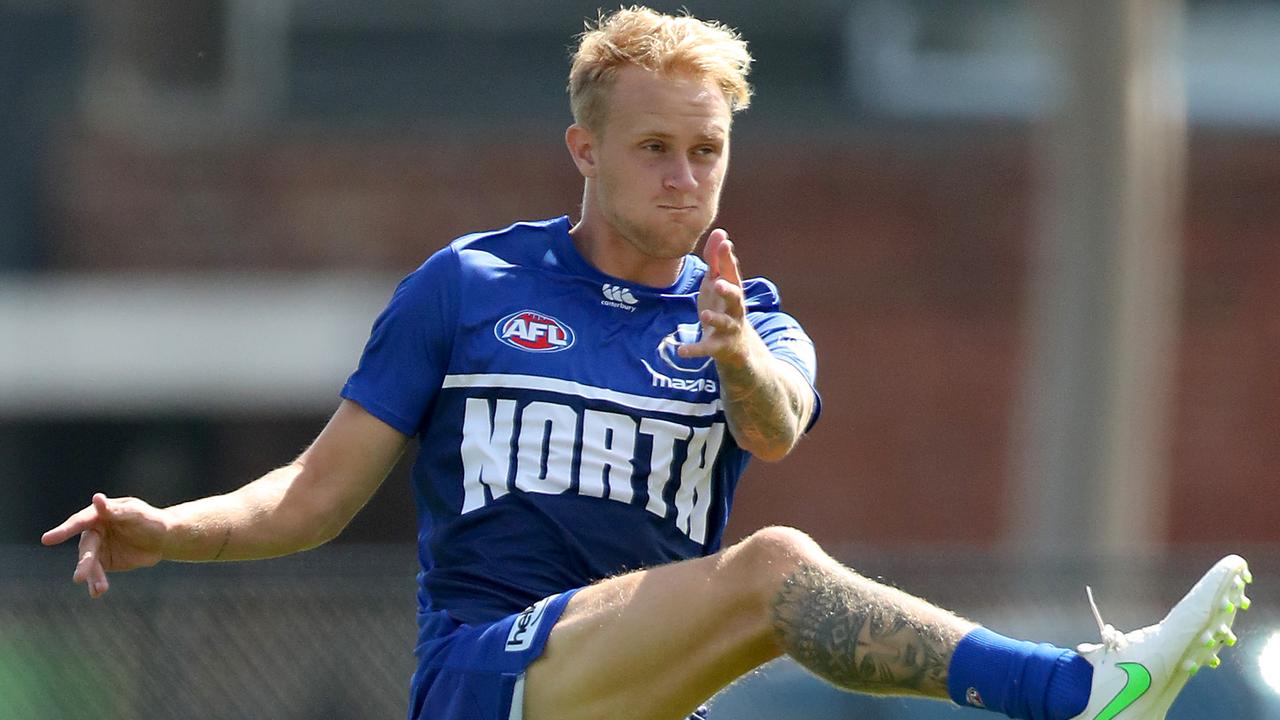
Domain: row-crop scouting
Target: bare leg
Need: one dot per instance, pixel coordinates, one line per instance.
(863, 636)
(654, 644)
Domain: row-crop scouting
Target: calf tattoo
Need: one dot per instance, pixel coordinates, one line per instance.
(861, 636)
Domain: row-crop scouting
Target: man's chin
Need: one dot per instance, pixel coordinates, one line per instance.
(679, 247)
(685, 233)
(665, 238)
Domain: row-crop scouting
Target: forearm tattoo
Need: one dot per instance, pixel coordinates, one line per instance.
(223, 547)
(858, 635)
(761, 409)
(759, 414)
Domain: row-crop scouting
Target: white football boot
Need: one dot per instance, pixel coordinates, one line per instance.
(1137, 675)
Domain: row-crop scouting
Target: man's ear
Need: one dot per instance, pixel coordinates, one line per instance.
(582, 148)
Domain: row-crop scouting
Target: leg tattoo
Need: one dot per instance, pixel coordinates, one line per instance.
(863, 636)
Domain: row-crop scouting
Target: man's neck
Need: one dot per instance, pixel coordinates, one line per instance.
(609, 252)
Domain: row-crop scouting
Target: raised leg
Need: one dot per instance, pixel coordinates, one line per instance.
(654, 644)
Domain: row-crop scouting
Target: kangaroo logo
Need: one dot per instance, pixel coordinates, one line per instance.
(684, 334)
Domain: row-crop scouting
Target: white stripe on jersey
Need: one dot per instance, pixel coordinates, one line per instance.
(568, 387)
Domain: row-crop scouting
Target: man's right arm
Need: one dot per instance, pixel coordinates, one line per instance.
(296, 507)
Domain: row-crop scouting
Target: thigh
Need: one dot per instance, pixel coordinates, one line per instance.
(651, 645)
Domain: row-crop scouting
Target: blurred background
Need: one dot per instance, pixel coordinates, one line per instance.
(1037, 244)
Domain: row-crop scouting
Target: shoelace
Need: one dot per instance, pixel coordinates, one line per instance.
(1112, 639)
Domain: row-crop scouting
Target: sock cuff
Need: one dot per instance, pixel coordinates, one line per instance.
(1018, 678)
(1070, 685)
(980, 654)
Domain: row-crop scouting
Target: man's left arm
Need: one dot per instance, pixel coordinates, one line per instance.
(768, 402)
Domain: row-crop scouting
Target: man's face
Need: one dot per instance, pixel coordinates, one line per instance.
(661, 160)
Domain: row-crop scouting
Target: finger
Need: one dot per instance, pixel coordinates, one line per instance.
(719, 324)
(90, 570)
(707, 285)
(718, 333)
(711, 252)
(730, 295)
(702, 348)
(90, 543)
(72, 526)
(729, 269)
(98, 584)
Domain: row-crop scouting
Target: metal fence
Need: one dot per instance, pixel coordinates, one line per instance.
(329, 634)
(326, 635)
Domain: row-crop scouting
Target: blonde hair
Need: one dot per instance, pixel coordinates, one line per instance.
(665, 44)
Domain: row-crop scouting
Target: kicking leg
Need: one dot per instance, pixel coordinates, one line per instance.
(654, 644)
(863, 636)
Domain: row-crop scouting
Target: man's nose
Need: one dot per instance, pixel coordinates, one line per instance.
(679, 175)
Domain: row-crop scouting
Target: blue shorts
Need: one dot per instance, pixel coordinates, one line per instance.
(476, 672)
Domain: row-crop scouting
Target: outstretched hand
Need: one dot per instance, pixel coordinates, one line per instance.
(115, 534)
(721, 305)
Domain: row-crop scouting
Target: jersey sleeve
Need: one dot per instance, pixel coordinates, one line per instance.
(405, 359)
(783, 335)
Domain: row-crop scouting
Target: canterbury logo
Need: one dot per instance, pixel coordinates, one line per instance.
(618, 294)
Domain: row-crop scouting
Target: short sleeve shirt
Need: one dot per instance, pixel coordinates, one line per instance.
(562, 439)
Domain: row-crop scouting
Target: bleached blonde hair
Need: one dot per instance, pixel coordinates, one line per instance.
(666, 44)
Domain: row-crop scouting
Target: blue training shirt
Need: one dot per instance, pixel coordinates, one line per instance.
(561, 438)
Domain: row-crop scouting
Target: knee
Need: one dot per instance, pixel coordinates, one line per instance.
(755, 571)
(773, 554)
(779, 542)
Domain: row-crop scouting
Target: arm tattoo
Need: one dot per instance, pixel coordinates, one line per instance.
(856, 635)
(225, 540)
(758, 414)
(761, 406)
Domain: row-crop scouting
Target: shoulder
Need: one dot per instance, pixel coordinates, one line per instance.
(521, 243)
(481, 253)
(761, 295)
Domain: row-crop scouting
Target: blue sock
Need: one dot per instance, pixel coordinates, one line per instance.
(1020, 679)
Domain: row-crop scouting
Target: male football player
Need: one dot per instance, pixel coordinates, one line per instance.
(585, 396)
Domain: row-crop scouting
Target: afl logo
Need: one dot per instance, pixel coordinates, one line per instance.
(534, 332)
